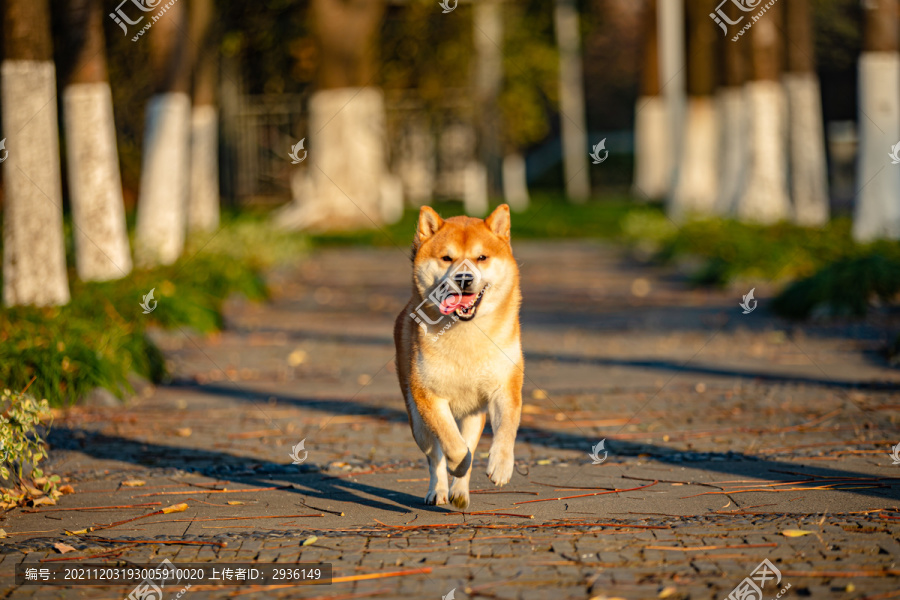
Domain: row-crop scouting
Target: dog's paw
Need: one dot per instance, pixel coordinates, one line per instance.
(500, 466)
(436, 497)
(459, 469)
(459, 496)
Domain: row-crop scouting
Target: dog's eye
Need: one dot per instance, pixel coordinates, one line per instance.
(482, 258)
(446, 259)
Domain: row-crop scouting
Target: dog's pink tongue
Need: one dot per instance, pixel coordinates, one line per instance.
(454, 301)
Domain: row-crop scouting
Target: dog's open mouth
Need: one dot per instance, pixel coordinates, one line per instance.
(464, 305)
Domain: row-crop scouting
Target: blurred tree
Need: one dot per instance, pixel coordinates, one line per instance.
(652, 160)
(203, 202)
(806, 135)
(165, 171)
(34, 259)
(347, 185)
(733, 132)
(764, 197)
(696, 174)
(573, 125)
(877, 212)
(95, 186)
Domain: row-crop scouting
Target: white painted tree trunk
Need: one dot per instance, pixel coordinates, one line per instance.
(672, 72)
(573, 124)
(346, 163)
(733, 135)
(203, 203)
(34, 257)
(165, 180)
(515, 182)
(416, 163)
(806, 136)
(877, 213)
(652, 154)
(390, 198)
(475, 189)
(95, 186)
(696, 179)
(764, 198)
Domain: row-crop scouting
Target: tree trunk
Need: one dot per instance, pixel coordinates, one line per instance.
(765, 198)
(95, 186)
(416, 163)
(515, 182)
(670, 15)
(34, 258)
(203, 203)
(696, 178)
(877, 213)
(573, 126)
(809, 171)
(652, 159)
(733, 121)
(487, 20)
(165, 170)
(341, 190)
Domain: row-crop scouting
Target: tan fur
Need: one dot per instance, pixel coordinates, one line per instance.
(452, 380)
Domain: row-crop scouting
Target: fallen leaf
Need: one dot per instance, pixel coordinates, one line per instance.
(296, 358)
(134, 483)
(539, 394)
(2, 533)
(175, 508)
(67, 489)
(63, 548)
(795, 532)
(235, 503)
(184, 431)
(544, 461)
(310, 540)
(668, 591)
(43, 500)
(80, 531)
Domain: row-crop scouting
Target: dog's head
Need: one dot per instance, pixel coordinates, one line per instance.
(464, 265)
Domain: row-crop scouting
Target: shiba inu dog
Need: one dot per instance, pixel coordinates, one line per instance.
(459, 354)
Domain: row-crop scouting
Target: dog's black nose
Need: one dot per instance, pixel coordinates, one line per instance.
(465, 280)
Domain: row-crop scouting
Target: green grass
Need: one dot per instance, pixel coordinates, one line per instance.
(548, 216)
(100, 336)
(825, 271)
(846, 287)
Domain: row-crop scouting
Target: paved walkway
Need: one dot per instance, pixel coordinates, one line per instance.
(737, 428)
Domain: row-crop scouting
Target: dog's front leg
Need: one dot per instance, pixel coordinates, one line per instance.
(505, 408)
(471, 427)
(439, 420)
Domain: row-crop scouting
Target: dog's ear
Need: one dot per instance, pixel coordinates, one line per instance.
(429, 223)
(498, 221)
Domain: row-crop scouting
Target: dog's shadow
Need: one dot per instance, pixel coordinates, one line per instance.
(306, 479)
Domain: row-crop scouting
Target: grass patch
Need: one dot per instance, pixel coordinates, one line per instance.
(547, 216)
(844, 288)
(728, 250)
(98, 339)
(835, 276)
